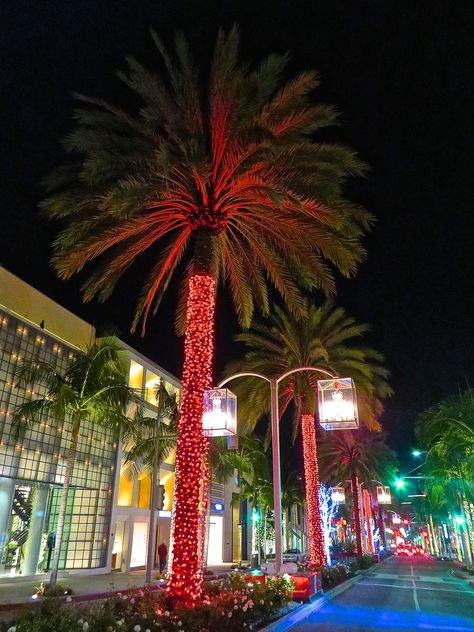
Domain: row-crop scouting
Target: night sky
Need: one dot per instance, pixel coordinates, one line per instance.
(399, 72)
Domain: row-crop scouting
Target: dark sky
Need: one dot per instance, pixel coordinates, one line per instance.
(398, 70)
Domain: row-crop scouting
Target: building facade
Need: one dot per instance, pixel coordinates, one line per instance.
(108, 509)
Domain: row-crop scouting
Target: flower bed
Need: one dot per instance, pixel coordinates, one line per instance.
(232, 605)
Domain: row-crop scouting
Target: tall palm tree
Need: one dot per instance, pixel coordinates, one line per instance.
(220, 170)
(328, 339)
(94, 388)
(358, 456)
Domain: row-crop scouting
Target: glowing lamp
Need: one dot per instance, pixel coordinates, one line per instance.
(460, 520)
(219, 417)
(400, 483)
(396, 519)
(338, 404)
(338, 495)
(383, 495)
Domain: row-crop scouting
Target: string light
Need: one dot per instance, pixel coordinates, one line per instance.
(186, 578)
(367, 514)
(311, 475)
(356, 512)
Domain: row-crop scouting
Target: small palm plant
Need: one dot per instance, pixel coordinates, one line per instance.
(150, 442)
(93, 388)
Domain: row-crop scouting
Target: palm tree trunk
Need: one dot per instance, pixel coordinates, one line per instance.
(71, 457)
(186, 577)
(311, 474)
(150, 560)
(356, 510)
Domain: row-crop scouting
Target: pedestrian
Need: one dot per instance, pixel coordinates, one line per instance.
(162, 553)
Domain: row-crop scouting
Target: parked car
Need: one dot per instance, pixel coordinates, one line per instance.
(293, 555)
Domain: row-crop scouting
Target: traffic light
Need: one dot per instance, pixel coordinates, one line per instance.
(255, 515)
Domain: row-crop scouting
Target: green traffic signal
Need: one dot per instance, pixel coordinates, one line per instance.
(255, 516)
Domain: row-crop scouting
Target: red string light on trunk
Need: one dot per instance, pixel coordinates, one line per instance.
(311, 475)
(186, 578)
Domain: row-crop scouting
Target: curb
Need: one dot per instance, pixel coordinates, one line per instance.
(297, 616)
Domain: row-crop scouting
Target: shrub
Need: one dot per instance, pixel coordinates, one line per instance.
(231, 605)
(365, 562)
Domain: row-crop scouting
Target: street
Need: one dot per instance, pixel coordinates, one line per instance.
(401, 594)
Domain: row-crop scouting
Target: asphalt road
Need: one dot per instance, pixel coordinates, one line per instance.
(402, 594)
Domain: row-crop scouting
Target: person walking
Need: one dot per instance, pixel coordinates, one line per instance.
(162, 554)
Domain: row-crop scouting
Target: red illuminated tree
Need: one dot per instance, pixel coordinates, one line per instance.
(326, 338)
(220, 168)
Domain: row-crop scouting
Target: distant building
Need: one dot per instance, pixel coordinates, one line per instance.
(108, 512)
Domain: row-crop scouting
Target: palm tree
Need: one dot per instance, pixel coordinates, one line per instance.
(221, 170)
(94, 388)
(359, 456)
(446, 431)
(150, 442)
(329, 339)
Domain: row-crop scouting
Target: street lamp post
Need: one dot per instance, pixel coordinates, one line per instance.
(274, 382)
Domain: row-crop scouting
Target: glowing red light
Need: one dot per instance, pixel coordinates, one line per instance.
(190, 500)
(311, 475)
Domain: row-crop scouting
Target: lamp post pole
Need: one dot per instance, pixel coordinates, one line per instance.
(274, 415)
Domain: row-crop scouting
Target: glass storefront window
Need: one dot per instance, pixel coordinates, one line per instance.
(144, 491)
(136, 375)
(125, 491)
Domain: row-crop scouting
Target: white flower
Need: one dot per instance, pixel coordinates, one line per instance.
(80, 622)
(119, 623)
(132, 600)
(137, 628)
(148, 630)
(229, 614)
(68, 599)
(85, 627)
(167, 614)
(12, 629)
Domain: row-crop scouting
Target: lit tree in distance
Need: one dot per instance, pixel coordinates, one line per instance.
(328, 510)
(227, 173)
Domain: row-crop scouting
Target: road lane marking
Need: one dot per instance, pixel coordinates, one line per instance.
(464, 591)
(415, 596)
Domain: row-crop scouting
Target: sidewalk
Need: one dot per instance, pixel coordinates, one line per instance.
(18, 590)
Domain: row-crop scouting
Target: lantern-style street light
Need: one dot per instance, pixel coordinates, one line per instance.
(338, 495)
(340, 408)
(338, 404)
(219, 417)
(384, 497)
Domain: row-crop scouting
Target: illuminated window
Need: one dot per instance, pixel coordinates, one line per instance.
(151, 384)
(125, 491)
(136, 375)
(144, 491)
